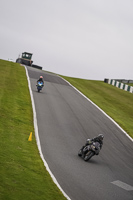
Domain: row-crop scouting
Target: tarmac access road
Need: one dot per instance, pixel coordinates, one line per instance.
(65, 120)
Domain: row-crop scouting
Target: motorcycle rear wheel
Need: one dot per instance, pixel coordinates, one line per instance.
(88, 156)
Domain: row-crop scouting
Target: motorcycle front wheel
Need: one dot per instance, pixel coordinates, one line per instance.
(80, 153)
(88, 156)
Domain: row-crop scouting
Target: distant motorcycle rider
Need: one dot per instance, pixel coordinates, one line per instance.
(41, 80)
(98, 139)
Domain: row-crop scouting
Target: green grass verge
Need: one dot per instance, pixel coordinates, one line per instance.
(131, 84)
(22, 173)
(117, 103)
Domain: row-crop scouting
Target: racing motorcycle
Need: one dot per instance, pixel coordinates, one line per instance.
(39, 86)
(90, 150)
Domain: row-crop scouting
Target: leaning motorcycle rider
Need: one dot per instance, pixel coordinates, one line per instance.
(98, 139)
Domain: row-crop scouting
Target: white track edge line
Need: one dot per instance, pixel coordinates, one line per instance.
(100, 110)
(38, 140)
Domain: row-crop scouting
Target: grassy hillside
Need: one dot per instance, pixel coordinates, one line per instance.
(115, 102)
(22, 173)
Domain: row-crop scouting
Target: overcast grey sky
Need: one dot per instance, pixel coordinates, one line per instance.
(91, 39)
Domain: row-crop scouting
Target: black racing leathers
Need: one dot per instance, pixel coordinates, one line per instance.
(96, 139)
(41, 80)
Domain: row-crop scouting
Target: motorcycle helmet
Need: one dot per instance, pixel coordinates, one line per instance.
(100, 136)
(41, 76)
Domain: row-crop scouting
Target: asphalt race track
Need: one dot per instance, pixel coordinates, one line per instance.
(65, 120)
